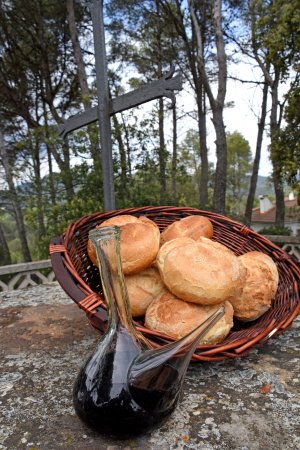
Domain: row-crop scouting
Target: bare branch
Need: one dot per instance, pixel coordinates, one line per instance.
(201, 65)
(230, 77)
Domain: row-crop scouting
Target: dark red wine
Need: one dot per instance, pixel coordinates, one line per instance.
(106, 402)
(158, 390)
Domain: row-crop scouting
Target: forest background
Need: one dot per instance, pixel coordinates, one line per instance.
(162, 156)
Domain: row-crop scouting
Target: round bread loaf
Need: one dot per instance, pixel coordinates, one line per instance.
(167, 247)
(203, 271)
(173, 317)
(270, 263)
(191, 226)
(258, 290)
(142, 288)
(139, 242)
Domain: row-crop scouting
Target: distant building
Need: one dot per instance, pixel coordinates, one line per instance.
(264, 215)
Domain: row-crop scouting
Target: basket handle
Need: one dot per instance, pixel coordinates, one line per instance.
(62, 275)
(99, 319)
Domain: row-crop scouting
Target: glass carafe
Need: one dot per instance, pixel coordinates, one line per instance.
(126, 387)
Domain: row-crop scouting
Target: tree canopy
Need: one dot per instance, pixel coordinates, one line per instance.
(160, 156)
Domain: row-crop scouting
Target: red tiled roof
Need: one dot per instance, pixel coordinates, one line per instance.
(269, 216)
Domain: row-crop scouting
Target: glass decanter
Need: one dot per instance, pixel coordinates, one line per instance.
(126, 387)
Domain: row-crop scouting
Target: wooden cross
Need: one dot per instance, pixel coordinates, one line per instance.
(163, 87)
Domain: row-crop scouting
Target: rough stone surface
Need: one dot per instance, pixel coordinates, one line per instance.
(251, 403)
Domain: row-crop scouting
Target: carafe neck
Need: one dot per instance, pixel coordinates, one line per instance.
(106, 242)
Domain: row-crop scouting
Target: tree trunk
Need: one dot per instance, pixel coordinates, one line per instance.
(128, 149)
(219, 197)
(50, 176)
(5, 253)
(49, 157)
(256, 162)
(174, 160)
(66, 172)
(85, 93)
(201, 107)
(162, 152)
(216, 104)
(191, 44)
(83, 83)
(161, 116)
(122, 152)
(221, 144)
(15, 201)
(38, 186)
(203, 185)
(277, 176)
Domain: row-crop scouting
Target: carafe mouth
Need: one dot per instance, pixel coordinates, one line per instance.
(105, 232)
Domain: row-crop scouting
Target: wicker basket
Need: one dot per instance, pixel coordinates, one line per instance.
(80, 278)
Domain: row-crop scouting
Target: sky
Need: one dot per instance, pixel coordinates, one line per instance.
(242, 117)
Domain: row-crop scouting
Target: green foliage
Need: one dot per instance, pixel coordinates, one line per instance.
(189, 170)
(239, 162)
(276, 231)
(277, 31)
(88, 199)
(288, 143)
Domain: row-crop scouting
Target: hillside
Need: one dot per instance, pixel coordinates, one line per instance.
(264, 187)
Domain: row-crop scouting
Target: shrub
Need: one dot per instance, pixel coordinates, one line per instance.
(275, 230)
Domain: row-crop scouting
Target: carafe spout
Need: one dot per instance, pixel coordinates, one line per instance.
(156, 376)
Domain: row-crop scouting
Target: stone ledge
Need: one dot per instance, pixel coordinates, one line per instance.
(250, 403)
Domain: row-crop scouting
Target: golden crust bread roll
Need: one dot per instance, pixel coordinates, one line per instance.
(142, 288)
(167, 247)
(202, 272)
(192, 226)
(270, 263)
(139, 242)
(258, 291)
(173, 317)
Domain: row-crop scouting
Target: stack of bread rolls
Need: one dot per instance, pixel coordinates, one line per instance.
(178, 278)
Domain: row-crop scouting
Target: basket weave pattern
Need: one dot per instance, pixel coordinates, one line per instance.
(81, 281)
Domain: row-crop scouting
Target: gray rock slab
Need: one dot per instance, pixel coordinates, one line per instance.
(249, 403)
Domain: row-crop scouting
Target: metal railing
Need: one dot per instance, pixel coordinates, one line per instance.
(19, 276)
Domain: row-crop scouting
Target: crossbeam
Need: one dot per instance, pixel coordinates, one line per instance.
(163, 87)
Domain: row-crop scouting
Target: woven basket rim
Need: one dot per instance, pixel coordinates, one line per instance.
(232, 347)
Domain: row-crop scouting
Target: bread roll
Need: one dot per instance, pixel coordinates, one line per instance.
(142, 288)
(258, 290)
(167, 247)
(191, 226)
(270, 263)
(139, 242)
(176, 318)
(202, 272)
